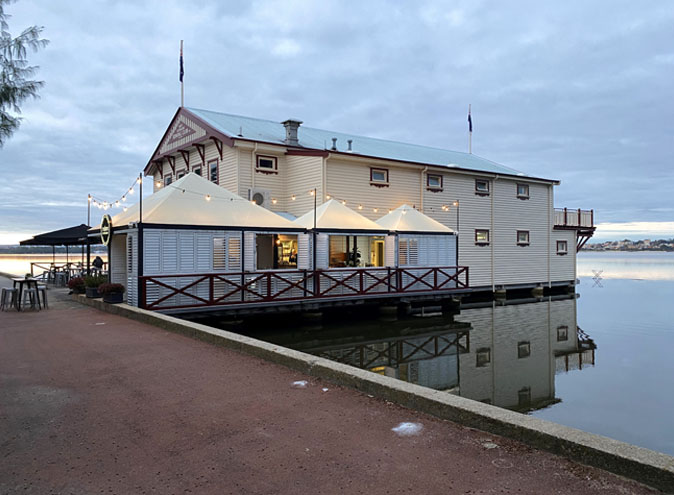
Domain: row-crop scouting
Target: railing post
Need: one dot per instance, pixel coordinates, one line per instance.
(580, 223)
(211, 290)
(565, 221)
(388, 278)
(591, 218)
(268, 286)
(360, 273)
(435, 277)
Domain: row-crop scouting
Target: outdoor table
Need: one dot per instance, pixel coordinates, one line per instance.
(21, 282)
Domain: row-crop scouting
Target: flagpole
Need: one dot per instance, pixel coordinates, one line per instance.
(182, 72)
(470, 132)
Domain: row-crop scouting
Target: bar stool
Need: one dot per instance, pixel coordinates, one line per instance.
(33, 298)
(60, 279)
(8, 298)
(42, 290)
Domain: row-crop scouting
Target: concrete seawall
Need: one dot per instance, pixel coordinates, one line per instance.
(643, 465)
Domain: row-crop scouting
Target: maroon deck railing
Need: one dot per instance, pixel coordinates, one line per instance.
(565, 217)
(168, 292)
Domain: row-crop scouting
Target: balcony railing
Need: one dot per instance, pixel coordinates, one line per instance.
(168, 292)
(565, 217)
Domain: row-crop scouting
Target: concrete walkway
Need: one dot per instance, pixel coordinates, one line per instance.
(91, 402)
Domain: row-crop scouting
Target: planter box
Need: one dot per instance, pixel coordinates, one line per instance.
(92, 292)
(113, 298)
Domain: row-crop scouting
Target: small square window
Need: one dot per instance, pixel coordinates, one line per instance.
(167, 180)
(562, 247)
(434, 181)
(481, 237)
(482, 357)
(523, 349)
(197, 170)
(522, 237)
(379, 175)
(562, 333)
(482, 187)
(523, 191)
(213, 171)
(180, 174)
(267, 164)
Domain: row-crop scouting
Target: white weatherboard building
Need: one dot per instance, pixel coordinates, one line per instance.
(508, 232)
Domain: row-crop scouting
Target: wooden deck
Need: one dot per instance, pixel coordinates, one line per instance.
(582, 221)
(222, 290)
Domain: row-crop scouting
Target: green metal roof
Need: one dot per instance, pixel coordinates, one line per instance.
(269, 131)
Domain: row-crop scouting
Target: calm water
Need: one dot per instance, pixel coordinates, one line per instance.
(19, 264)
(612, 377)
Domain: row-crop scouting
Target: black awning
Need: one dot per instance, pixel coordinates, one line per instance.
(71, 236)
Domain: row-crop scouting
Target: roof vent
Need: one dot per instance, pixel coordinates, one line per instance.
(349, 142)
(291, 126)
(334, 144)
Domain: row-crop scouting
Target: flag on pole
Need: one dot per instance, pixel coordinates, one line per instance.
(182, 71)
(470, 120)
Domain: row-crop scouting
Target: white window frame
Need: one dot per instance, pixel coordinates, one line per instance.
(525, 242)
(376, 170)
(565, 250)
(482, 191)
(522, 195)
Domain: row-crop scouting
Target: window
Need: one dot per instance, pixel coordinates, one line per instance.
(267, 164)
(276, 251)
(434, 182)
(523, 349)
(167, 180)
(481, 237)
(562, 247)
(353, 251)
(482, 357)
(523, 191)
(482, 187)
(379, 177)
(227, 253)
(522, 237)
(180, 174)
(197, 170)
(408, 252)
(213, 171)
(562, 333)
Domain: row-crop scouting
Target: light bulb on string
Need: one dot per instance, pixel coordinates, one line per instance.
(293, 197)
(208, 197)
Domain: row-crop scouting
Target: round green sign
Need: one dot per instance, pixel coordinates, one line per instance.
(106, 229)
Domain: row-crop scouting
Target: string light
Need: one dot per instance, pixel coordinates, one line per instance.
(208, 197)
(360, 207)
(274, 201)
(312, 192)
(106, 205)
(293, 197)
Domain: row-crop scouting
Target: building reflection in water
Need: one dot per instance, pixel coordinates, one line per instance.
(506, 354)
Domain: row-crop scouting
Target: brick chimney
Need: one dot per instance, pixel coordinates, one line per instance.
(292, 125)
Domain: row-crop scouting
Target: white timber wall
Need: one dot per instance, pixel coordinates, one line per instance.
(118, 259)
(132, 268)
(304, 173)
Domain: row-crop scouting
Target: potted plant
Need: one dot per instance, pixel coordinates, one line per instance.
(76, 284)
(112, 293)
(91, 282)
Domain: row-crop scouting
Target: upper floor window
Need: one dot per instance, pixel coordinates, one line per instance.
(434, 182)
(213, 171)
(523, 349)
(167, 180)
(481, 237)
(562, 247)
(379, 176)
(482, 357)
(180, 174)
(523, 191)
(197, 170)
(562, 333)
(482, 187)
(266, 164)
(522, 237)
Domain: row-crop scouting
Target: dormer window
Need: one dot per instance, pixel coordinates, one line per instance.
(482, 187)
(167, 180)
(213, 171)
(266, 164)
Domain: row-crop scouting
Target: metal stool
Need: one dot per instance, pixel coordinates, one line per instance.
(8, 298)
(42, 290)
(33, 298)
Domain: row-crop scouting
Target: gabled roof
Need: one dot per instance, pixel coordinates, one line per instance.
(407, 219)
(185, 202)
(334, 216)
(248, 128)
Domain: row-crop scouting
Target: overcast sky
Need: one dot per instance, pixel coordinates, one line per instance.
(578, 91)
